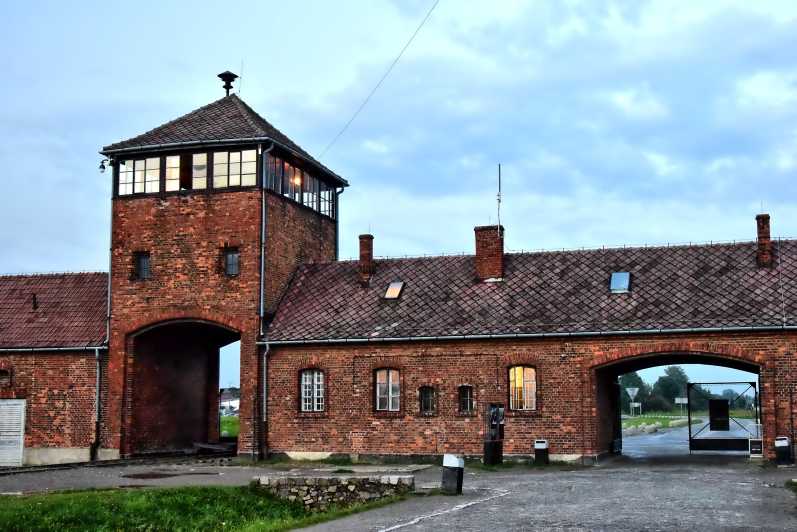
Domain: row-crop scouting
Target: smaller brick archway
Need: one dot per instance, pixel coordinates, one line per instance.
(172, 388)
(604, 377)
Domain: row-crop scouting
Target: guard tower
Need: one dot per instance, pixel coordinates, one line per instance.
(212, 212)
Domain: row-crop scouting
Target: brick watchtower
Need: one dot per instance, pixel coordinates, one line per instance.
(212, 212)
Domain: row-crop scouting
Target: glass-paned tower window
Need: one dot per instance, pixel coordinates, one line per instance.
(139, 176)
(387, 390)
(522, 388)
(199, 171)
(312, 390)
(125, 178)
(234, 168)
(172, 173)
(232, 261)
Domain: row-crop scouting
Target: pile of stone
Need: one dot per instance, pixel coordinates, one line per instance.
(318, 493)
(642, 429)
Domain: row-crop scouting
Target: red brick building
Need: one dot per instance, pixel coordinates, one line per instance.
(223, 229)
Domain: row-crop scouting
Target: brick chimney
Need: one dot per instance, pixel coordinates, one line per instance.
(764, 255)
(489, 252)
(366, 258)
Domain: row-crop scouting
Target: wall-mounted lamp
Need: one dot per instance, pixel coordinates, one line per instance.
(102, 164)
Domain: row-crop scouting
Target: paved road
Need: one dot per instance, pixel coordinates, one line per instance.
(675, 442)
(694, 493)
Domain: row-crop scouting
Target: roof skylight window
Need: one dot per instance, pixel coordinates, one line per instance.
(394, 290)
(620, 283)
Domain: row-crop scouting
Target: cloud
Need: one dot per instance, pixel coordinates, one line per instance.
(768, 92)
(638, 103)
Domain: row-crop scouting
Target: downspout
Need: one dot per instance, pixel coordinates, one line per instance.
(263, 171)
(338, 192)
(264, 440)
(95, 445)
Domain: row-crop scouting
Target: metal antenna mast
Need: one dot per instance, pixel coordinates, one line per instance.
(498, 198)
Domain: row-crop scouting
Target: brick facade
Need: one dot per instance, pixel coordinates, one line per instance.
(572, 404)
(59, 388)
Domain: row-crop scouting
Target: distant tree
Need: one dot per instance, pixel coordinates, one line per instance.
(672, 384)
(657, 403)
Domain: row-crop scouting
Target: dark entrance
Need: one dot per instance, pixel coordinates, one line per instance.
(174, 392)
(723, 416)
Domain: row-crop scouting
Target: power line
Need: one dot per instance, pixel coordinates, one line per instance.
(376, 87)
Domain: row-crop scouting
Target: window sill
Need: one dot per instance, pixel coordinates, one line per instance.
(465, 414)
(429, 415)
(388, 413)
(523, 413)
(312, 415)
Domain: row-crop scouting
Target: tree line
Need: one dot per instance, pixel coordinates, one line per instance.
(661, 396)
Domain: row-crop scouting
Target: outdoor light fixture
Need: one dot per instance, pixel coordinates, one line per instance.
(102, 165)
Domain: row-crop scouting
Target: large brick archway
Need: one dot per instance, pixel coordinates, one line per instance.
(612, 363)
(171, 376)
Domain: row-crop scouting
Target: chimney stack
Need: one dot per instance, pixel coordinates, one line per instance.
(764, 255)
(366, 258)
(489, 252)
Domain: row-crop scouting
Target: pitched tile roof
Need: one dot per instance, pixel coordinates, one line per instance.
(544, 293)
(226, 119)
(71, 310)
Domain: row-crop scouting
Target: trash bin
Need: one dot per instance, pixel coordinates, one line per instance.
(493, 452)
(453, 469)
(782, 450)
(540, 452)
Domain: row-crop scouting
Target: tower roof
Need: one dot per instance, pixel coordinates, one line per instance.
(226, 121)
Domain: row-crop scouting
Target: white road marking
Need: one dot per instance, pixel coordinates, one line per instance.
(501, 493)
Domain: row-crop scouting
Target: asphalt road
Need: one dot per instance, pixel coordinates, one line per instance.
(675, 442)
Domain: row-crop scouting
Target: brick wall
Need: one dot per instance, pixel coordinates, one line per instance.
(571, 402)
(59, 389)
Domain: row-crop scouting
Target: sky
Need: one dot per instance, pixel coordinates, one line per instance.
(622, 122)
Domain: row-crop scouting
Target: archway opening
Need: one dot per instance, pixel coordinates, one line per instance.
(658, 405)
(175, 386)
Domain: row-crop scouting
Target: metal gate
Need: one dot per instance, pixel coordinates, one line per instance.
(12, 431)
(723, 421)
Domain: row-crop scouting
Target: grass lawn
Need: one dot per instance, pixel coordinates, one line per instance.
(194, 508)
(229, 424)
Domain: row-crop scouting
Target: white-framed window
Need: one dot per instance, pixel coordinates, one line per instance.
(522, 388)
(388, 390)
(234, 168)
(172, 173)
(312, 389)
(139, 176)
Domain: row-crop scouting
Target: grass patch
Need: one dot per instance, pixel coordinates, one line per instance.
(191, 508)
(230, 426)
(649, 419)
(792, 485)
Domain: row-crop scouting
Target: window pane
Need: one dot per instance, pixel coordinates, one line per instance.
(248, 180)
(394, 389)
(199, 166)
(220, 157)
(172, 173)
(235, 157)
(199, 183)
(249, 155)
(249, 168)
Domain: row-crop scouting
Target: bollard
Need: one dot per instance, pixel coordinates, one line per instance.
(782, 450)
(453, 469)
(540, 452)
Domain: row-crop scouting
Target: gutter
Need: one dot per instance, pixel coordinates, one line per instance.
(95, 445)
(529, 335)
(34, 349)
(169, 145)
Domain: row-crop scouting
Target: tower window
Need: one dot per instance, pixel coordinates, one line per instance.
(5, 378)
(139, 176)
(141, 265)
(234, 168)
(172, 173)
(232, 259)
(199, 171)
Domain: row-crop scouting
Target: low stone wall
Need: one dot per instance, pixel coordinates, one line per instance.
(319, 493)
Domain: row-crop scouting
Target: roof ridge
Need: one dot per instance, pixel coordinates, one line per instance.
(247, 112)
(51, 274)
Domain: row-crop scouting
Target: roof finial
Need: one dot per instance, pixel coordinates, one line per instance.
(227, 77)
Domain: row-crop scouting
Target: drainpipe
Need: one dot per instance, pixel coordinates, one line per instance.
(263, 171)
(264, 441)
(338, 192)
(95, 445)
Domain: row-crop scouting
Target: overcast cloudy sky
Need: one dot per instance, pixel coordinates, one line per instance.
(616, 122)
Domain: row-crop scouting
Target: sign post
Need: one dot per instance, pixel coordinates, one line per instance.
(681, 401)
(632, 394)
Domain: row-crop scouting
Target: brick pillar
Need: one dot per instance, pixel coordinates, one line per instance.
(764, 256)
(489, 252)
(250, 411)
